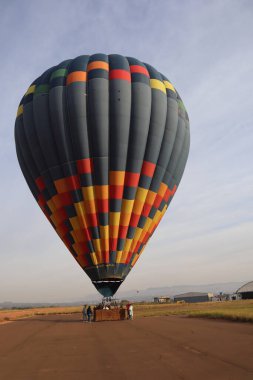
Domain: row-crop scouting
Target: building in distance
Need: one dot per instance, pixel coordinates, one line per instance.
(246, 291)
(162, 299)
(192, 297)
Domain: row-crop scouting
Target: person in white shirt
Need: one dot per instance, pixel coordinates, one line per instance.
(131, 311)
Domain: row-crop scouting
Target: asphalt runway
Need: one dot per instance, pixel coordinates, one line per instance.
(63, 347)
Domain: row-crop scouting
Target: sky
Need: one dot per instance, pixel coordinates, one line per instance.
(205, 49)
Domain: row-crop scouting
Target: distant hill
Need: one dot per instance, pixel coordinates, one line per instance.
(170, 291)
(141, 295)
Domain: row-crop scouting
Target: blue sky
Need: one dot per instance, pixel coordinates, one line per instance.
(205, 49)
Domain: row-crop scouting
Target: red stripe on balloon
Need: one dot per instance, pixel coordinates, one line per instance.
(92, 220)
(65, 199)
(102, 205)
(120, 74)
(66, 241)
(137, 246)
(41, 200)
(116, 191)
(105, 255)
(130, 254)
(146, 209)
(134, 220)
(40, 183)
(132, 179)
(157, 201)
(139, 70)
(148, 168)
(123, 232)
(84, 166)
(73, 182)
(62, 229)
(113, 244)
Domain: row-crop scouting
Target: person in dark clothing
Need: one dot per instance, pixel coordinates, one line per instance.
(85, 316)
(89, 313)
(127, 308)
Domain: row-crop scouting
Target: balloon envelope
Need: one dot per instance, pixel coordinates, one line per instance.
(102, 141)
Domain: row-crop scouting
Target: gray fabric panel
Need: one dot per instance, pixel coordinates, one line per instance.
(76, 101)
(145, 181)
(120, 110)
(25, 149)
(86, 179)
(98, 128)
(167, 143)
(98, 116)
(157, 126)
(169, 133)
(182, 162)
(57, 107)
(100, 174)
(139, 127)
(115, 205)
(32, 139)
(78, 64)
(103, 218)
(177, 148)
(43, 130)
(23, 166)
(117, 61)
(36, 158)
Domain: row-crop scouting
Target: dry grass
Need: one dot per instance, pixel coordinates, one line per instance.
(228, 310)
(12, 315)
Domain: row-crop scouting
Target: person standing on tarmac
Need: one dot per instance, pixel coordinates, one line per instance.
(85, 316)
(89, 313)
(127, 309)
(131, 311)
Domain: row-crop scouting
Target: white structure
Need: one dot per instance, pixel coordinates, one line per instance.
(246, 291)
(162, 299)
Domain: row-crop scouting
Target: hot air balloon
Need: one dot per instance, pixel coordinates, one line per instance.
(102, 142)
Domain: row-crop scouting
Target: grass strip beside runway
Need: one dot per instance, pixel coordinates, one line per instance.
(241, 311)
(229, 310)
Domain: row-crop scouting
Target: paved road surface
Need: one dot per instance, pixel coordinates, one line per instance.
(62, 347)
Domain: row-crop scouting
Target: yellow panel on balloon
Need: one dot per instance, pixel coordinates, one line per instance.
(128, 244)
(162, 189)
(137, 234)
(116, 178)
(141, 194)
(136, 257)
(102, 192)
(52, 205)
(88, 192)
(94, 258)
(118, 257)
(124, 257)
(147, 224)
(114, 218)
(127, 206)
(125, 219)
(104, 232)
(74, 222)
(114, 231)
(138, 206)
(150, 197)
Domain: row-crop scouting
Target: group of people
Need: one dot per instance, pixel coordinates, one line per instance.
(87, 313)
